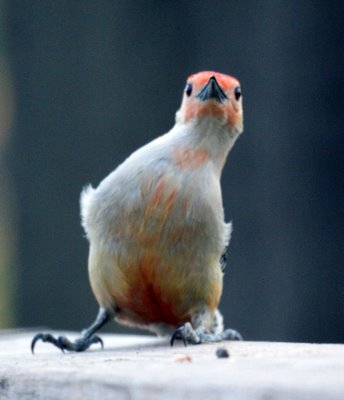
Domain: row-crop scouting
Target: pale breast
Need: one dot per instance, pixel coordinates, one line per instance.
(161, 253)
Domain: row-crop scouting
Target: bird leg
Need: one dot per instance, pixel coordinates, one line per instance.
(187, 334)
(196, 333)
(81, 344)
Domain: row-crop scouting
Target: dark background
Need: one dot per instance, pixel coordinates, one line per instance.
(94, 80)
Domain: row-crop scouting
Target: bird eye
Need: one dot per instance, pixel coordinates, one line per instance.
(237, 93)
(188, 89)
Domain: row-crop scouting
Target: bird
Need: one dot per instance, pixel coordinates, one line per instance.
(156, 227)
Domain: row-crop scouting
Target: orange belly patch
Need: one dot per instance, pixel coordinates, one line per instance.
(144, 303)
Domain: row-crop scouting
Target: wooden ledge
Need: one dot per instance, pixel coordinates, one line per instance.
(142, 367)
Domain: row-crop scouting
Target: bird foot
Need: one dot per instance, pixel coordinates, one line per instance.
(187, 334)
(63, 343)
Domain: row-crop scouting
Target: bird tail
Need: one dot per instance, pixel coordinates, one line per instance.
(86, 198)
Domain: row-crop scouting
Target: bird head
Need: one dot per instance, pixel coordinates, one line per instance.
(215, 95)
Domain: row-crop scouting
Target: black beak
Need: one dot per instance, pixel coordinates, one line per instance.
(212, 90)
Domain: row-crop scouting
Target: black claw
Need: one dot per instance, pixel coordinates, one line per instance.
(39, 336)
(60, 340)
(97, 339)
(173, 338)
(84, 342)
(179, 334)
(184, 341)
(45, 337)
(63, 343)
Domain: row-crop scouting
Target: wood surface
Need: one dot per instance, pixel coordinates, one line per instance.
(144, 367)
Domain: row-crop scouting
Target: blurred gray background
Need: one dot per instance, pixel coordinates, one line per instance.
(91, 81)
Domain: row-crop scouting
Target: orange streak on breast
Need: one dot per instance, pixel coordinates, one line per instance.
(170, 199)
(157, 195)
(190, 159)
(163, 198)
(185, 207)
